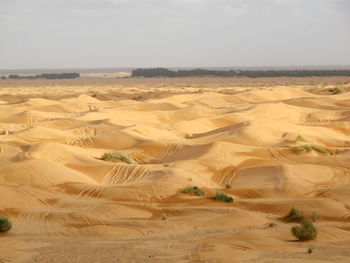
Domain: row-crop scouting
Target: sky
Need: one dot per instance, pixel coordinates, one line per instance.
(173, 33)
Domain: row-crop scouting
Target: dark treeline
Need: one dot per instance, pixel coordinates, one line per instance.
(47, 76)
(163, 72)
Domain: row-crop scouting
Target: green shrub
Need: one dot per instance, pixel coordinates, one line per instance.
(314, 216)
(336, 90)
(310, 147)
(228, 186)
(223, 197)
(309, 250)
(299, 139)
(117, 156)
(139, 97)
(304, 231)
(320, 149)
(193, 190)
(305, 147)
(295, 214)
(5, 224)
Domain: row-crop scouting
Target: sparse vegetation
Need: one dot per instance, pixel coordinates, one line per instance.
(163, 72)
(314, 216)
(299, 138)
(5, 224)
(309, 250)
(117, 156)
(295, 214)
(305, 147)
(139, 97)
(222, 197)
(320, 149)
(336, 90)
(228, 186)
(194, 190)
(310, 147)
(305, 231)
(164, 218)
(47, 76)
(272, 224)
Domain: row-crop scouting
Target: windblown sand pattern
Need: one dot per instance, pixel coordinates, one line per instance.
(275, 145)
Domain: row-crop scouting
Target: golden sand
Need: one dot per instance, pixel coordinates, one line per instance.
(68, 205)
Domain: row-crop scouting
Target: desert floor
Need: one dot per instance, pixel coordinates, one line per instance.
(68, 205)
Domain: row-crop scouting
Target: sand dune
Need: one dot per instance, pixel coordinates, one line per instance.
(68, 204)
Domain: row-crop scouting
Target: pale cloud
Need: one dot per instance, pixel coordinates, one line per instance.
(106, 33)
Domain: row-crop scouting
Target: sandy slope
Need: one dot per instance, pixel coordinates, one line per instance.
(68, 205)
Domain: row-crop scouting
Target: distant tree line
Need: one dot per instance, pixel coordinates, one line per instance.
(163, 72)
(47, 76)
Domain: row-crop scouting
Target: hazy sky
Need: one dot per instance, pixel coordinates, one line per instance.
(148, 33)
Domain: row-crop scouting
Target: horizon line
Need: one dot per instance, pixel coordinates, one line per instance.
(330, 66)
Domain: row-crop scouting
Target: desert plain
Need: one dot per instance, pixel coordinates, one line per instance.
(246, 138)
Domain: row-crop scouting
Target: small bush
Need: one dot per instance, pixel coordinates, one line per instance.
(305, 147)
(223, 197)
(117, 156)
(193, 190)
(305, 231)
(299, 139)
(228, 186)
(309, 250)
(314, 216)
(310, 147)
(5, 224)
(139, 97)
(272, 224)
(295, 214)
(320, 149)
(336, 90)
